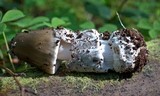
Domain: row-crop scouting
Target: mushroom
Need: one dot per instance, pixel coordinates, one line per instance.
(87, 51)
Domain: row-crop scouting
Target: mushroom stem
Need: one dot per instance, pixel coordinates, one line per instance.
(90, 53)
(107, 54)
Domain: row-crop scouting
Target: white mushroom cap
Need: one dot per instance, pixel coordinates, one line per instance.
(126, 49)
(123, 53)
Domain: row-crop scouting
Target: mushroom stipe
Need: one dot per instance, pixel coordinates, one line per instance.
(123, 50)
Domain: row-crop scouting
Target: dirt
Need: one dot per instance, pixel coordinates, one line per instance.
(144, 83)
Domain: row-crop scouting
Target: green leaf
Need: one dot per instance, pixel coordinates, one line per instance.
(144, 24)
(48, 24)
(57, 22)
(12, 15)
(107, 27)
(39, 20)
(104, 12)
(23, 22)
(36, 26)
(153, 33)
(91, 8)
(87, 25)
(0, 15)
(100, 2)
(156, 25)
(21, 68)
(2, 27)
(1, 54)
(98, 8)
(9, 34)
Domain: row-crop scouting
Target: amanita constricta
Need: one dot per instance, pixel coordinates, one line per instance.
(86, 51)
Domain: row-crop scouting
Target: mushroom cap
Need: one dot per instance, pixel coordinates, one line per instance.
(129, 50)
(39, 48)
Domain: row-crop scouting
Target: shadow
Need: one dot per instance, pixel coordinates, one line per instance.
(0, 84)
(34, 72)
(110, 75)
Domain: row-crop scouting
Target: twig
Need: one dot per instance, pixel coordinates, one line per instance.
(8, 70)
(22, 89)
(120, 21)
(10, 59)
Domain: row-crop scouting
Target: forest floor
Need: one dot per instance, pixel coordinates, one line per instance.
(144, 83)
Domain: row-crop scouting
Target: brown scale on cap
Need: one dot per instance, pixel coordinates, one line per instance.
(106, 35)
(70, 35)
(135, 36)
(141, 59)
(79, 35)
(139, 42)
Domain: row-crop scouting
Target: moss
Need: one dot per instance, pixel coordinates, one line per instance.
(81, 81)
(9, 83)
(32, 78)
(91, 80)
(154, 49)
